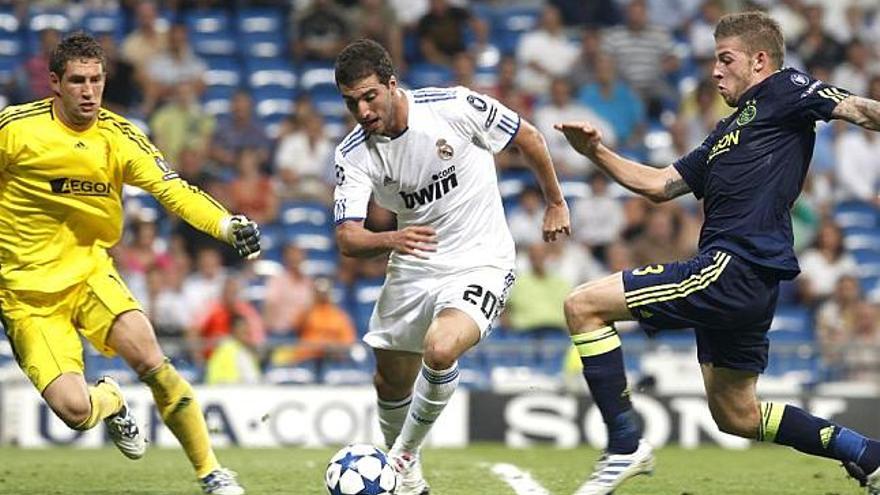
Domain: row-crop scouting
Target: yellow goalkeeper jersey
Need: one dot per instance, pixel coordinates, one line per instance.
(61, 194)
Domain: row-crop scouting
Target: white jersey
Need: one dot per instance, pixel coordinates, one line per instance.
(440, 172)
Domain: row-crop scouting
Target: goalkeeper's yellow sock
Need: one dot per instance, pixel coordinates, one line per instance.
(181, 413)
(106, 400)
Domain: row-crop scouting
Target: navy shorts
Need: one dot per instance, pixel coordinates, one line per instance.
(727, 301)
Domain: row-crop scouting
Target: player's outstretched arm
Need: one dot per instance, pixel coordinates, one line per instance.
(861, 111)
(656, 184)
(355, 240)
(534, 147)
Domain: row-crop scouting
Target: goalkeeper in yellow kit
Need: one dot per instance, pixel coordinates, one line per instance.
(63, 161)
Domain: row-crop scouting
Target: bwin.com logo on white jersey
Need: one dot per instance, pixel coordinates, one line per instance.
(443, 182)
(444, 150)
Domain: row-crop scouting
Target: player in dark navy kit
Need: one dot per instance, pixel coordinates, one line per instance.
(748, 171)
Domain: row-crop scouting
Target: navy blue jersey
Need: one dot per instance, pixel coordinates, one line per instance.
(751, 168)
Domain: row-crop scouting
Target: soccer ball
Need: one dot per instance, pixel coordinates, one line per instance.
(360, 469)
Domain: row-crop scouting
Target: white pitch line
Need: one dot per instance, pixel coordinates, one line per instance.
(521, 481)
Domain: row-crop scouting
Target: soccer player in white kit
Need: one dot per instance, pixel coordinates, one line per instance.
(427, 155)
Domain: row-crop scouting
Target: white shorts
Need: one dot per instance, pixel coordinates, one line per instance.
(409, 302)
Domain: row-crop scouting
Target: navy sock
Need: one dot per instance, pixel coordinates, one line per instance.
(602, 358)
(794, 427)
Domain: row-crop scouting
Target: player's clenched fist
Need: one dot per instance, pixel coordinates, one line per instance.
(243, 234)
(415, 240)
(582, 136)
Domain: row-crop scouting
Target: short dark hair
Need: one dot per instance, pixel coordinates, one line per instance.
(75, 46)
(758, 31)
(363, 58)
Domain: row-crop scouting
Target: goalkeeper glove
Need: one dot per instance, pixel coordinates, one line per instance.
(243, 234)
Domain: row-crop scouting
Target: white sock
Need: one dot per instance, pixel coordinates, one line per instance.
(391, 414)
(432, 392)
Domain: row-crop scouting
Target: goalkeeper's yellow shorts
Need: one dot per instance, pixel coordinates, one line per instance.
(44, 328)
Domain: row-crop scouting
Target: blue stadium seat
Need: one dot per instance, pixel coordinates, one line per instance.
(425, 74)
(8, 66)
(791, 324)
(851, 214)
(263, 45)
(213, 44)
(364, 294)
(301, 374)
(9, 22)
(272, 239)
(860, 238)
(321, 263)
(215, 99)
(109, 21)
(328, 103)
(41, 20)
(260, 20)
(273, 101)
(207, 22)
(306, 213)
(313, 74)
(270, 72)
(223, 71)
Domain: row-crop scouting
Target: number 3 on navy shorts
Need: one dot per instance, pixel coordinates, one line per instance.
(648, 270)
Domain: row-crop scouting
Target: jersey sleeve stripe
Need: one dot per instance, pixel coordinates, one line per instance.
(352, 137)
(352, 145)
(438, 98)
(347, 219)
(30, 112)
(513, 134)
(131, 135)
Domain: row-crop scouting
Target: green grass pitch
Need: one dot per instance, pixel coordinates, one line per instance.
(294, 471)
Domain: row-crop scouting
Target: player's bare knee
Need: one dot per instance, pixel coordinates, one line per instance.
(580, 312)
(74, 413)
(440, 355)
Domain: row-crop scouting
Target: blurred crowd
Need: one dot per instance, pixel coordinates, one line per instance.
(639, 69)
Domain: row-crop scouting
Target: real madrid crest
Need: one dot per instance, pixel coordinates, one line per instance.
(444, 150)
(748, 113)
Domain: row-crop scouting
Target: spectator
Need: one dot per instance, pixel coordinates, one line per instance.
(122, 89)
(823, 264)
(597, 220)
(239, 131)
(182, 122)
(561, 108)
(835, 320)
(789, 15)
(701, 32)
(861, 359)
(591, 13)
(235, 359)
(251, 192)
(206, 284)
(303, 160)
(647, 56)
(148, 39)
(173, 67)
(527, 218)
(856, 71)
(327, 331)
(482, 50)
(700, 111)
(856, 169)
(816, 47)
(537, 69)
(441, 32)
(615, 102)
(166, 304)
(572, 261)
(34, 73)
(218, 321)
(377, 20)
(661, 241)
(583, 71)
(321, 32)
(507, 89)
(536, 297)
(289, 294)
